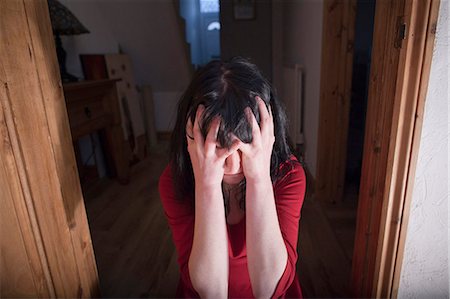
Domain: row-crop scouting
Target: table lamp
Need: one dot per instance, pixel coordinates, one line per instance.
(64, 22)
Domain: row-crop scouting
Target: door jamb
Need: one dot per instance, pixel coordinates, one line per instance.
(335, 94)
(411, 88)
(398, 84)
(38, 160)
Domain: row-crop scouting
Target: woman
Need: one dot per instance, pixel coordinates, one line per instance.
(233, 191)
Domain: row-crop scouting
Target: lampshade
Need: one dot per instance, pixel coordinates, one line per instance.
(63, 20)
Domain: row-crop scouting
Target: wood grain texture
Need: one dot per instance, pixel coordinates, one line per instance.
(38, 128)
(398, 82)
(335, 94)
(383, 76)
(16, 277)
(119, 67)
(93, 106)
(23, 273)
(414, 68)
(323, 266)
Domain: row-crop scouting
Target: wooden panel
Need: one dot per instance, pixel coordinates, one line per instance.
(414, 67)
(84, 111)
(119, 67)
(22, 273)
(43, 152)
(93, 106)
(114, 139)
(335, 89)
(89, 127)
(380, 113)
(16, 277)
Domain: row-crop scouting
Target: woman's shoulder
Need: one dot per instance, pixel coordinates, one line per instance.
(174, 208)
(290, 170)
(165, 184)
(290, 188)
(171, 202)
(166, 175)
(290, 166)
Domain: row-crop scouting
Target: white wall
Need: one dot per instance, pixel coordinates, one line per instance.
(302, 44)
(166, 103)
(100, 39)
(425, 264)
(149, 32)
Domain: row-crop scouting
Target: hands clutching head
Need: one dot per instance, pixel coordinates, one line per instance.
(208, 158)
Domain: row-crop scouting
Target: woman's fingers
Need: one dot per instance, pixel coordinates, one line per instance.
(256, 130)
(211, 138)
(237, 144)
(196, 132)
(263, 135)
(189, 131)
(263, 112)
(246, 148)
(271, 122)
(267, 126)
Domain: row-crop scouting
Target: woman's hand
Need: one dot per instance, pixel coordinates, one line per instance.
(207, 158)
(256, 156)
(208, 261)
(266, 251)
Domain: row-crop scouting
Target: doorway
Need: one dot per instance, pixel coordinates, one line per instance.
(400, 28)
(342, 211)
(362, 50)
(202, 22)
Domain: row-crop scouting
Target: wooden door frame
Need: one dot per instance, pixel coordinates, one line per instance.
(53, 254)
(393, 128)
(398, 83)
(335, 93)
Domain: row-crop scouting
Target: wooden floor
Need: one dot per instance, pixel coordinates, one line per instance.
(325, 247)
(136, 257)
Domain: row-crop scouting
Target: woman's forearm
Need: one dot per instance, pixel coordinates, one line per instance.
(266, 251)
(208, 262)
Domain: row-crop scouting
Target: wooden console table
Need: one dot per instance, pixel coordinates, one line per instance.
(93, 106)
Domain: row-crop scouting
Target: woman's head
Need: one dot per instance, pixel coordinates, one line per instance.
(225, 89)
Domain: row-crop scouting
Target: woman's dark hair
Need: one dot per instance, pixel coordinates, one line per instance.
(225, 89)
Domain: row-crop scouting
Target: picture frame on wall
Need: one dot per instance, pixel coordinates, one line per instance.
(244, 9)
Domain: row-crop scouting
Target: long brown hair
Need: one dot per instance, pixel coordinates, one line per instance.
(225, 89)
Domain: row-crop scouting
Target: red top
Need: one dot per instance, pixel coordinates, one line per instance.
(289, 194)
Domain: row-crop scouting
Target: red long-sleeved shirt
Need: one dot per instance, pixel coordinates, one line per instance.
(289, 194)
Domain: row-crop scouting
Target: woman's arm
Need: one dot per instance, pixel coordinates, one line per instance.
(208, 262)
(266, 251)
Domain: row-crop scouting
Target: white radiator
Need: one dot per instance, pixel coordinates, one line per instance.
(292, 96)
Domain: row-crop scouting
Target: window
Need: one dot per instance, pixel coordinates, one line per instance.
(208, 6)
